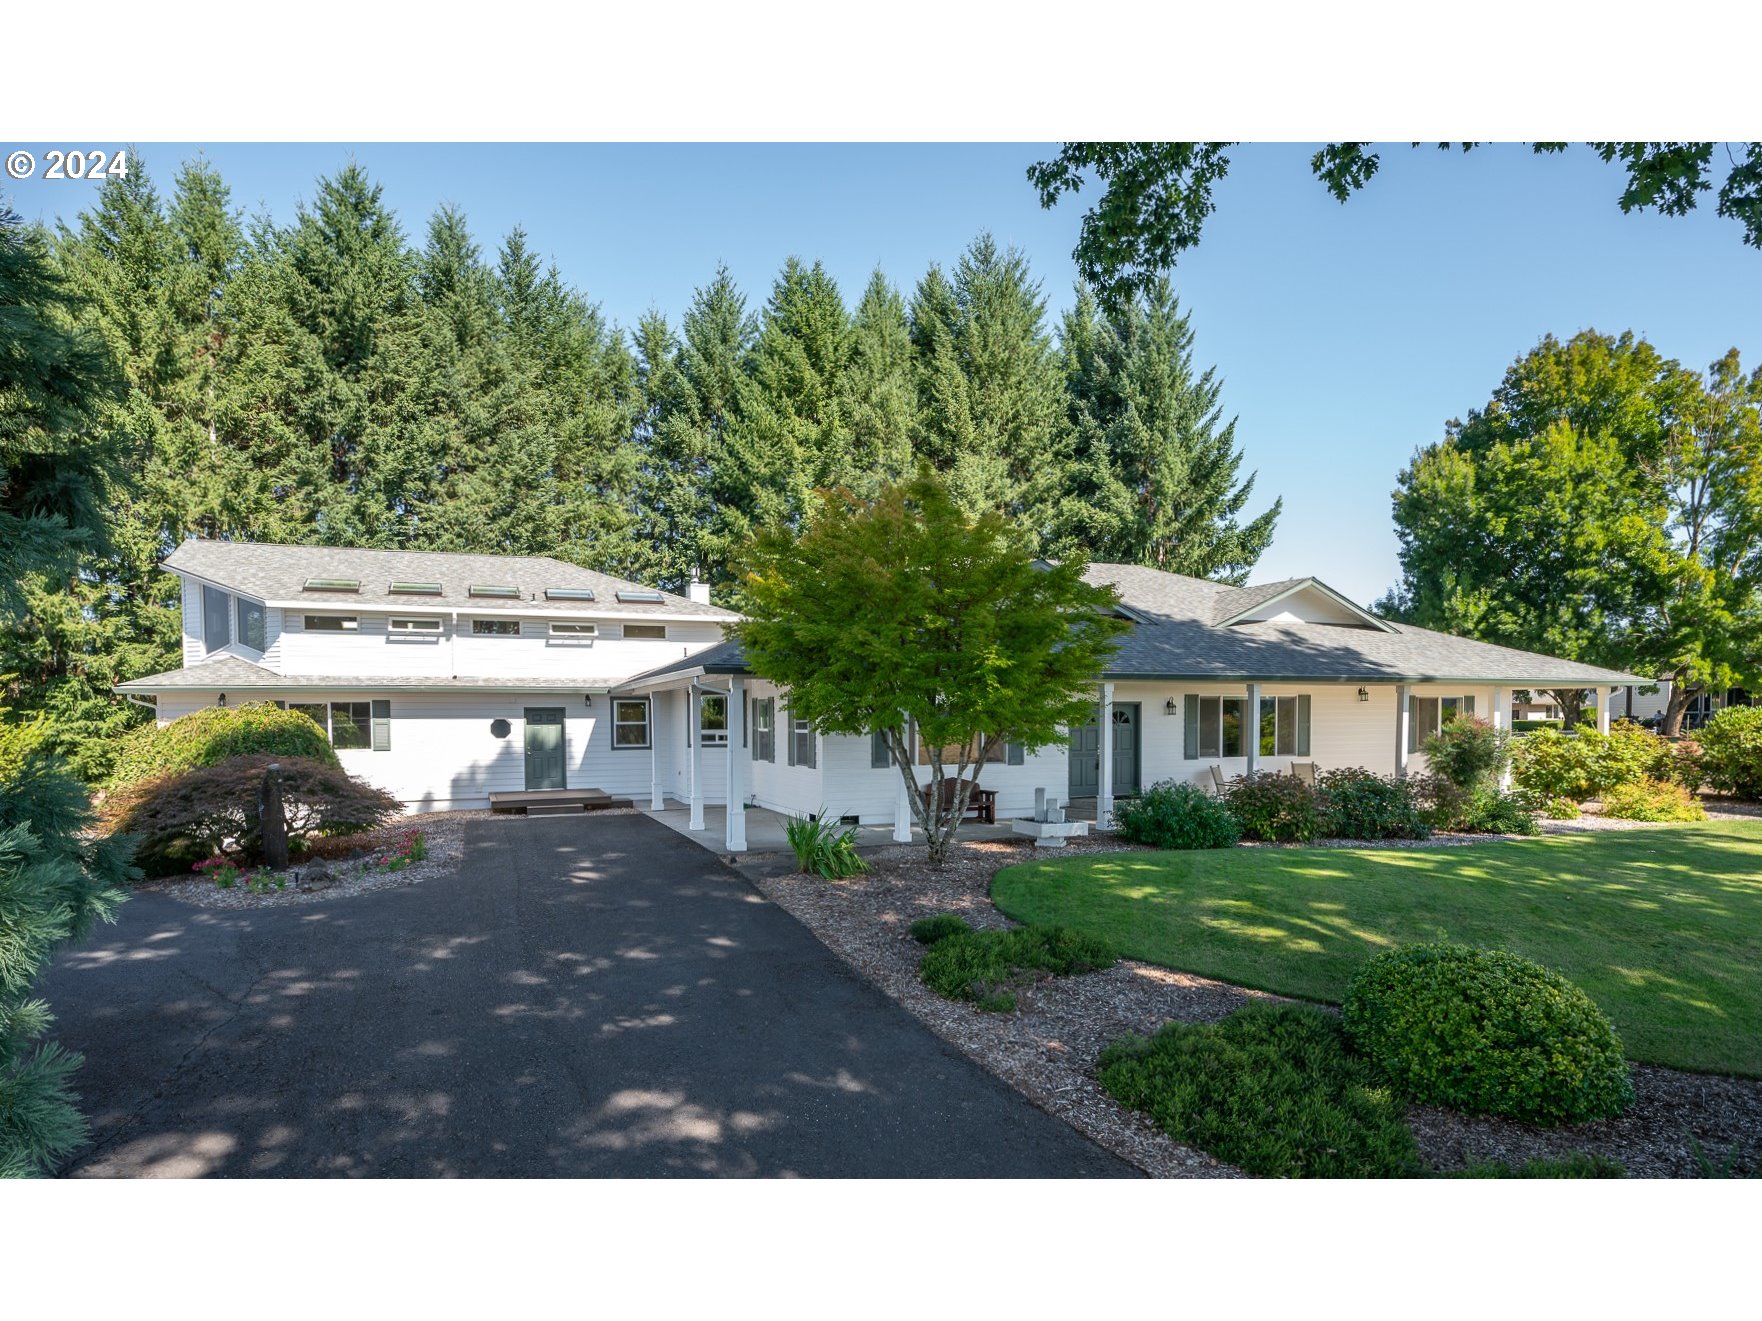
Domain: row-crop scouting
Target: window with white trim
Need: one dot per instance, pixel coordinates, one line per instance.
(249, 617)
(1426, 716)
(495, 628)
(764, 737)
(1284, 726)
(712, 721)
(574, 631)
(630, 722)
(216, 618)
(351, 724)
(645, 632)
(1213, 726)
(332, 623)
(414, 627)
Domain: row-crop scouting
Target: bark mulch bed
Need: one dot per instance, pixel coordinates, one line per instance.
(1047, 1048)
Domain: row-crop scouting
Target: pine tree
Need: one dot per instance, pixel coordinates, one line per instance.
(881, 403)
(1156, 478)
(990, 389)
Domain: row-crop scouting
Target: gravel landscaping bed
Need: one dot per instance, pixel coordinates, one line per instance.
(1047, 1047)
(444, 834)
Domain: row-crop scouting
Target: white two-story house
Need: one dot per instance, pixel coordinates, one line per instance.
(446, 678)
(442, 678)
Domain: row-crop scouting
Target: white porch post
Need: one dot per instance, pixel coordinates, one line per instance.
(1403, 722)
(902, 796)
(1502, 721)
(657, 800)
(1251, 728)
(737, 755)
(1605, 700)
(693, 705)
(1104, 772)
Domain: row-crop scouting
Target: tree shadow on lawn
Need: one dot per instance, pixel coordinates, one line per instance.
(1662, 927)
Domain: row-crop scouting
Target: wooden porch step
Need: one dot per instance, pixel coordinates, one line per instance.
(551, 802)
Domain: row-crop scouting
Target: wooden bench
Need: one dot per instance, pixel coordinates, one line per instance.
(981, 801)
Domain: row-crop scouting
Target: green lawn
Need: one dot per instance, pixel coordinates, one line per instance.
(1662, 927)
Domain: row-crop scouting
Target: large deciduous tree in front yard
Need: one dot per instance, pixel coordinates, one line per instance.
(904, 614)
(1605, 506)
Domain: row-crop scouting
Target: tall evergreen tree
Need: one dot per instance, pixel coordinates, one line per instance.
(990, 389)
(881, 402)
(1156, 478)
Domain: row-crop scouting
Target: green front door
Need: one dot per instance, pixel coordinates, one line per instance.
(544, 747)
(1085, 758)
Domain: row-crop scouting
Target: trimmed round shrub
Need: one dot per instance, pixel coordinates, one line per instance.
(211, 735)
(1487, 1032)
(989, 967)
(1653, 800)
(1360, 804)
(929, 930)
(1279, 808)
(1176, 816)
(1731, 751)
(183, 818)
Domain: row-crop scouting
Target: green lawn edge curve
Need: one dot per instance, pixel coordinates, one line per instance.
(1662, 927)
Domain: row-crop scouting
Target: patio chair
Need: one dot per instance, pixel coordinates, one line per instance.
(1304, 770)
(1218, 783)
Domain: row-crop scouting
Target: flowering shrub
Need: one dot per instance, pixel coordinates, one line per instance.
(1279, 808)
(407, 847)
(226, 873)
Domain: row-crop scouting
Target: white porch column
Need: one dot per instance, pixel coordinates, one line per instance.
(1251, 728)
(737, 755)
(1104, 772)
(1502, 721)
(1403, 721)
(1605, 700)
(902, 796)
(657, 800)
(693, 706)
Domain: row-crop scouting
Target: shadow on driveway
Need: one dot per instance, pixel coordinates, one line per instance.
(586, 996)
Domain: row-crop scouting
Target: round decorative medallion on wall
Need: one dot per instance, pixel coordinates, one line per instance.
(500, 728)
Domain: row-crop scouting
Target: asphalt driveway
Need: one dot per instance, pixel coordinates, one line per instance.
(586, 996)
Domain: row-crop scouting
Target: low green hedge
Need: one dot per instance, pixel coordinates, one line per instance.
(988, 967)
(1273, 1089)
(214, 734)
(1487, 1032)
(1653, 800)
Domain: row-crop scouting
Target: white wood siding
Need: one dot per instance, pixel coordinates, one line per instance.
(1342, 730)
(443, 755)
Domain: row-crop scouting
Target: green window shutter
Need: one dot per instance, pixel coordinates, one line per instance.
(789, 735)
(1303, 725)
(382, 726)
(1014, 754)
(880, 755)
(1190, 726)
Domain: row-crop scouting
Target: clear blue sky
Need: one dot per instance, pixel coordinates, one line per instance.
(1345, 335)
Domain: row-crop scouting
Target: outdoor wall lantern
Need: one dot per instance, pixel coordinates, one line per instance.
(1364, 694)
(588, 698)
(221, 700)
(1168, 707)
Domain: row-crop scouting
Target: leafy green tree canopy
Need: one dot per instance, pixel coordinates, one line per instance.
(1157, 195)
(905, 613)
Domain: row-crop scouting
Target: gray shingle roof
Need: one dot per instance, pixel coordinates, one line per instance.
(1176, 639)
(1179, 640)
(278, 573)
(235, 674)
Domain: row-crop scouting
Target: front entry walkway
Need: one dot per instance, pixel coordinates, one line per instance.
(588, 995)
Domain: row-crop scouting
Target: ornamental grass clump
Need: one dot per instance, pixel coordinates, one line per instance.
(1176, 816)
(1487, 1032)
(1272, 1088)
(822, 849)
(987, 968)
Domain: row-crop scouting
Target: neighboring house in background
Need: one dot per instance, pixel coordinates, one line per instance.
(444, 678)
(1648, 708)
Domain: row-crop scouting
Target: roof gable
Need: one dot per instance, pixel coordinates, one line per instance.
(1294, 600)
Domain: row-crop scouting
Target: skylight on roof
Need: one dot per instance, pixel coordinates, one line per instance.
(333, 584)
(415, 589)
(569, 594)
(492, 589)
(652, 598)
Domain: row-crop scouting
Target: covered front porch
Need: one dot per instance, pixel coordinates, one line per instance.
(763, 829)
(1148, 732)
